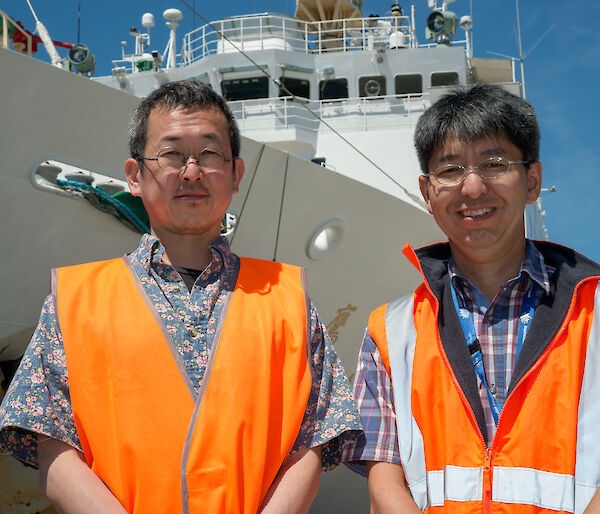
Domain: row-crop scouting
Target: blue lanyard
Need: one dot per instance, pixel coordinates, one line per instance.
(468, 328)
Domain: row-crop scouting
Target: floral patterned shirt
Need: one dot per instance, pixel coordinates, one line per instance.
(38, 399)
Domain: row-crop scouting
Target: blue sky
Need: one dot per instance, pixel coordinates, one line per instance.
(562, 75)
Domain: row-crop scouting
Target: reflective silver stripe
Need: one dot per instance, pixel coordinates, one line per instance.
(428, 488)
(534, 487)
(401, 338)
(192, 426)
(454, 483)
(163, 327)
(587, 464)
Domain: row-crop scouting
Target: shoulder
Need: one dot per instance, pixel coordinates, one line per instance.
(71, 278)
(91, 266)
(260, 274)
(270, 266)
(378, 317)
(570, 267)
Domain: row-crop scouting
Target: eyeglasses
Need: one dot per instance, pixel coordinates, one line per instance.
(490, 169)
(169, 158)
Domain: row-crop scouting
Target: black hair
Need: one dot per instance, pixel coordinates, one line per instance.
(185, 94)
(473, 112)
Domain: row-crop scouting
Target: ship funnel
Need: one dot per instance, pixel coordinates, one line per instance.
(324, 10)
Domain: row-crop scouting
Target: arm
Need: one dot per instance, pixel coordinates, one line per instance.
(594, 506)
(69, 484)
(388, 489)
(296, 484)
(375, 400)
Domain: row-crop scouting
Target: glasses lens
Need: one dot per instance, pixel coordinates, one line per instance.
(211, 159)
(493, 168)
(171, 159)
(449, 174)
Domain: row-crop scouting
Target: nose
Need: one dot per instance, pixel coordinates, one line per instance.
(473, 185)
(192, 170)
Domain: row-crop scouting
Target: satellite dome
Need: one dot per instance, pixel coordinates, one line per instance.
(148, 20)
(172, 15)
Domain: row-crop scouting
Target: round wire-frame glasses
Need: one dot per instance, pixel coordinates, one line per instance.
(489, 169)
(170, 158)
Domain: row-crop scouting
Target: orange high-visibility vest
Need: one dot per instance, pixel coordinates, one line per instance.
(544, 456)
(157, 444)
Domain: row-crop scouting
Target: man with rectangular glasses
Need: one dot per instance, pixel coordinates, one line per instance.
(479, 392)
(180, 377)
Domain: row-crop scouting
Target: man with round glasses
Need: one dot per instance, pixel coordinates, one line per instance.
(180, 377)
(479, 392)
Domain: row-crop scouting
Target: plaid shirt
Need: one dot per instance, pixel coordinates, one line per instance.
(497, 326)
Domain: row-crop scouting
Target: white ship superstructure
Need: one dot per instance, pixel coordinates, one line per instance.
(366, 79)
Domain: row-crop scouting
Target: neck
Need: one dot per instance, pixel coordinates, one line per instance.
(487, 272)
(186, 250)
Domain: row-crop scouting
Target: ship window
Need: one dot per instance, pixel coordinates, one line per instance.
(298, 87)
(449, 78)
(371, 86)
(333, 88)
(245, 89)
(409, 84)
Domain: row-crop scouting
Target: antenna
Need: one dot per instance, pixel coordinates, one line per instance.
(466, 23)
(170, 56)
(522, 56)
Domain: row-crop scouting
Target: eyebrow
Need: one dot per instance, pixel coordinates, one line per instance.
(175, 138)
(489, 152)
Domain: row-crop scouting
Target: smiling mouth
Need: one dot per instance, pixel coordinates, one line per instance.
(475, 213)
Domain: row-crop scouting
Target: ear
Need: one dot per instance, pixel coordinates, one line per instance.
(238, 173)
(534, 181)
(133, 176)
(424, 184)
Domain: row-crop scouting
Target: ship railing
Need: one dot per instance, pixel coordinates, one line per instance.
(275, 114)
(6, 24)
(279, 32)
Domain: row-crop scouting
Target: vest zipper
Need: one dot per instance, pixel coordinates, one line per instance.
(487, 464)
(487, 480)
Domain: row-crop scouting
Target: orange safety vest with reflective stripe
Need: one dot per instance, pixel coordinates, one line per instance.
(158, 444)
(544, 456)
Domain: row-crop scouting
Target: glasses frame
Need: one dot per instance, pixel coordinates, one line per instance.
(477, 169)
(186, 158)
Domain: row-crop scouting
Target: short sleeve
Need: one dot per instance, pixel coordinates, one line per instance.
(38, 399)
(375, 400)
(331, 418)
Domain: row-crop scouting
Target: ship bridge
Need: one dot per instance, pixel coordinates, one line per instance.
(300, 82)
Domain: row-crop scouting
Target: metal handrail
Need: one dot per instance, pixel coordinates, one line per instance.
(5, 19)
(257, 32)
(286, 112)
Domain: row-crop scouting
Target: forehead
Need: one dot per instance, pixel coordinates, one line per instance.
(173, 124)
(454, 148)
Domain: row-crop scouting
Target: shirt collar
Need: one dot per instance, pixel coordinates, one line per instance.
(150, 251)
(533, 265)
